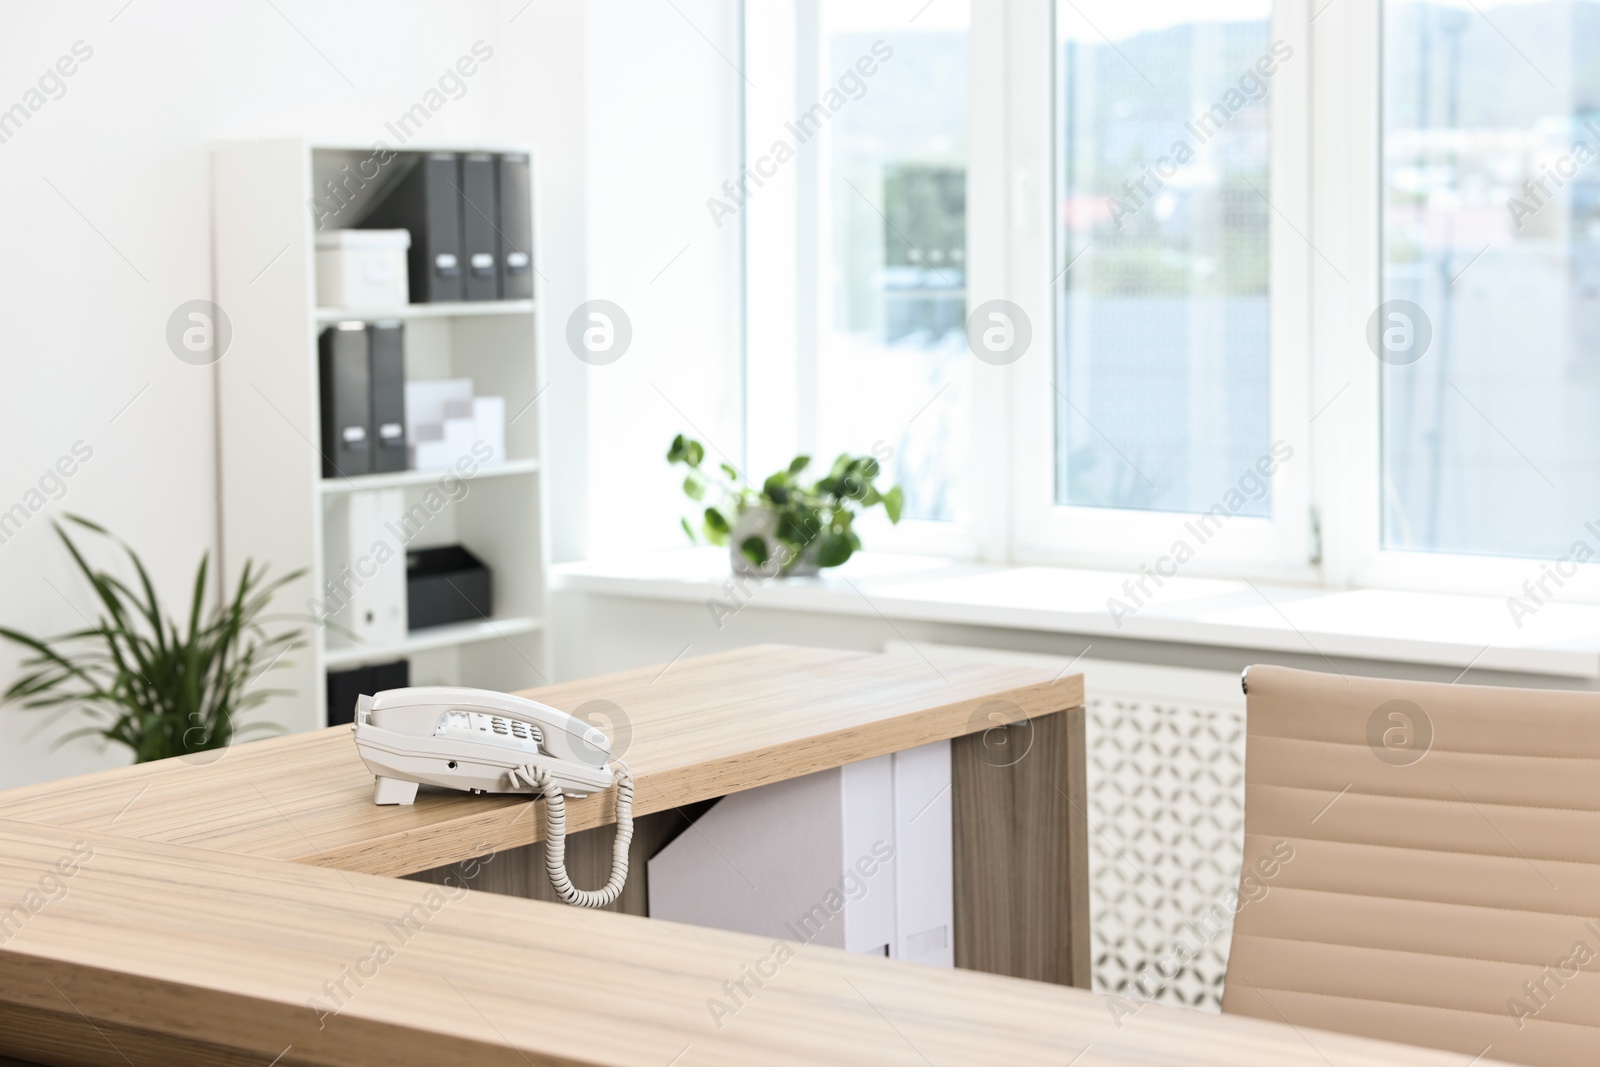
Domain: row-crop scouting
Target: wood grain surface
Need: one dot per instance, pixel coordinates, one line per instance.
(149, 915)
(151, 953)
(692, 730)
(1021, 850)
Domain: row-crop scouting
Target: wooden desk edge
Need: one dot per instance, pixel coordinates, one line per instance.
(138, 976)
(415, 849)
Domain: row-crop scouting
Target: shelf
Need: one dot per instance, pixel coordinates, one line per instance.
(401, 479)
(276, 504)
(434, 637)
(428, 311)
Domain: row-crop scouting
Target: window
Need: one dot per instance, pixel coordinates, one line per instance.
(856, 263)
(1164, 416)
(1211, 242)
(1489, 329)
(1163, 318)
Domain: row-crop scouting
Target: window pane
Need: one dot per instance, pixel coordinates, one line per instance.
(1162, 317)
(1490, 326)
(870, 254)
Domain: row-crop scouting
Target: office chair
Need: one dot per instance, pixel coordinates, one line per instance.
(1421, 864)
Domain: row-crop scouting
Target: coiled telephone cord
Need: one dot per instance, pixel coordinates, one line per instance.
(555, 836)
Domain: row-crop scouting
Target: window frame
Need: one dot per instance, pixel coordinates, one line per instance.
(775, 435)
(1347, 223)
(1326, 277)
(1048, 532)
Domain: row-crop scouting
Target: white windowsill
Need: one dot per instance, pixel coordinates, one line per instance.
(1456, 631)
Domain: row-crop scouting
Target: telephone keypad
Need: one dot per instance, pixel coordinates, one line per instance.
(526, 734)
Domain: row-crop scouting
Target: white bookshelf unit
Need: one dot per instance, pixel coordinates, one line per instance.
(274, 498)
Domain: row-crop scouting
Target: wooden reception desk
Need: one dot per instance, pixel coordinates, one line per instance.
(241, 909)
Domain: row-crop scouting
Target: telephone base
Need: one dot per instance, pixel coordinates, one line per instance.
(393, 791)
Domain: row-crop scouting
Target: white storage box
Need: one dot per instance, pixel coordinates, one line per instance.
(362, 268)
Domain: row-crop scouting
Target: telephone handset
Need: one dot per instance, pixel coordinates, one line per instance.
(487, 742)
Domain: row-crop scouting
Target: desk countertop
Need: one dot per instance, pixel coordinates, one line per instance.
(148, 915)
(242, 957)
(696, 729)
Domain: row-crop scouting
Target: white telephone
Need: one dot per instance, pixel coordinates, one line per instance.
(487, 742)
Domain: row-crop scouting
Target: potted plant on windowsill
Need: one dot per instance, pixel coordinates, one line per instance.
(148, 683)
(787, 527)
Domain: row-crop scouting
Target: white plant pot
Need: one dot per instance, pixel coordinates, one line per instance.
(763, 523)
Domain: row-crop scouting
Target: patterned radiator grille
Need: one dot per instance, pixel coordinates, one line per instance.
(1166, 797)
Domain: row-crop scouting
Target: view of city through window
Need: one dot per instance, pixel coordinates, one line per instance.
(1162, 120)
(1490, 328)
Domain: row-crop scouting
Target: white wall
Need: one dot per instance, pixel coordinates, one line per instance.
(663, 100)
(106, 230)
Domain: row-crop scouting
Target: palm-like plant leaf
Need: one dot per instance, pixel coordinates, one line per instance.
(158, 688)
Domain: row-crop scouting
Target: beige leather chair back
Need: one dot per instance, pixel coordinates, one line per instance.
(1422, 864)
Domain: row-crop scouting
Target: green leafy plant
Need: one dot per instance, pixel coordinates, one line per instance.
(809, 521)
(160, 689)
